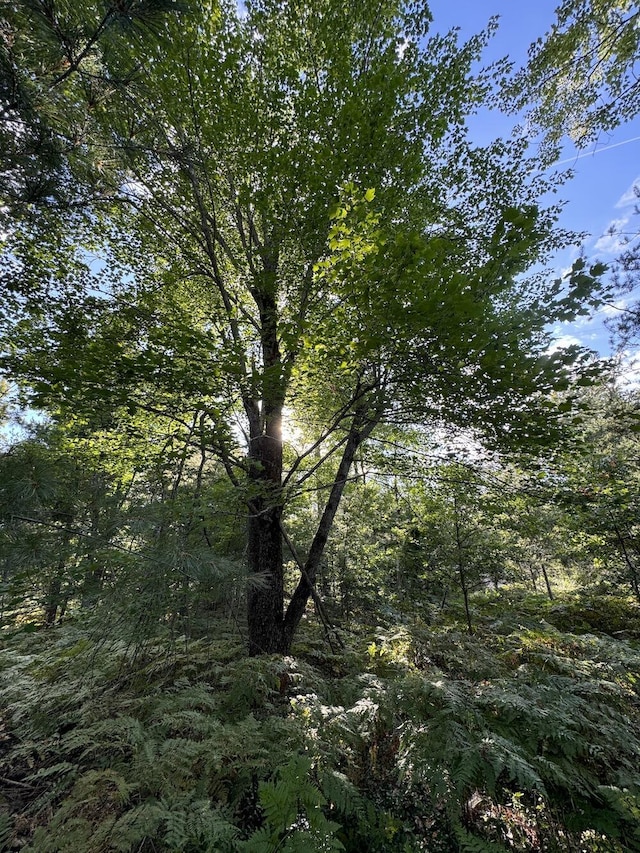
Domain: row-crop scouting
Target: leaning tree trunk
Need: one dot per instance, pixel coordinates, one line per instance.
(270, 629)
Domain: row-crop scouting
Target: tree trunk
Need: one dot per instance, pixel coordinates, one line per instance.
(633, 572)
(265, 593)
(270, 629)
(53, 597)
(461, 567)
(547, 581)
(360, 429)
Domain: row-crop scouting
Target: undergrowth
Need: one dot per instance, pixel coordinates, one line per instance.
(521, 737)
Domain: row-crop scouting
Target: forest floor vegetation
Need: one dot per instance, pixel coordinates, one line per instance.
(523, 736)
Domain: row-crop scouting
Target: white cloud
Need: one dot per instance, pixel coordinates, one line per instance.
(614, 308)
(630, 197)
(629, 369)
(563, 342)
(613, 240)
(582, 323)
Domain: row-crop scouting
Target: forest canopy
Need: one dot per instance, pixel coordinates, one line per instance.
(279, 214)
(294, 549)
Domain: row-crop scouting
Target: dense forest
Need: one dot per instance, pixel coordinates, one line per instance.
(310, 537)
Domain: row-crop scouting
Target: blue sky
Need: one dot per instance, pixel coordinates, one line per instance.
(601, 191)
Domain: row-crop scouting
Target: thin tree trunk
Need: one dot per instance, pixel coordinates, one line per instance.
(445, 595)
(53, 597)
(461, 567)
(633, 572)
(360, 429)
(94, 574)
(547, 581)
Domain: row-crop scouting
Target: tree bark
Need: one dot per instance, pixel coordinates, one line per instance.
(270, 629)
(547, 581)
(633, 572)
(53, 597)
(265, 594)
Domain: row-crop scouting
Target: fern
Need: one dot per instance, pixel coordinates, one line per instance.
(6, 831)
(188, 821)
(168, 747)
(294, 820)
(343, 796)
(472, 843)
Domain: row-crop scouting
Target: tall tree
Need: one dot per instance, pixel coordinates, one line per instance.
(303, 226)
(600, 485)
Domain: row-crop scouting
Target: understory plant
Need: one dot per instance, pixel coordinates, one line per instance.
(519, 738)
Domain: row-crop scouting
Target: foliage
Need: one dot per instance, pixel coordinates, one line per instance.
(275, 309)
(596, 612)
(600, 485)
(294, 821)
(582, 75)
(85, 520)
(60, 63)
(582, 80)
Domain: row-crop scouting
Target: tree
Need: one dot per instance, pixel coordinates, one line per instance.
(582, 77)
(58, 511)
(625, 324)
(298, 222)
(60, 62)
(601, 485)
(582, 80)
